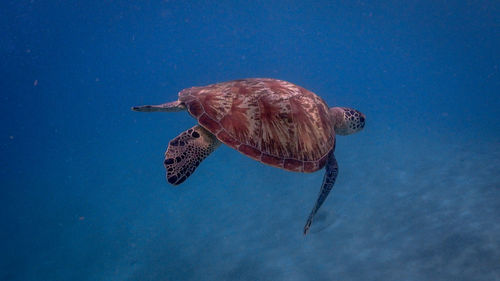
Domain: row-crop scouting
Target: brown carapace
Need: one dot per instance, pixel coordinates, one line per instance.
(272, 121)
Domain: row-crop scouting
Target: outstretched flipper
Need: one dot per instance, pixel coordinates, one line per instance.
(186, 151)
(332, 170)
(166, 107)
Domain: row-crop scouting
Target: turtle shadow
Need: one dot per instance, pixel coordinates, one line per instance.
(324, 220)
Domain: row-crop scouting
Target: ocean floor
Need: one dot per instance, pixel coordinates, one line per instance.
(402, 209)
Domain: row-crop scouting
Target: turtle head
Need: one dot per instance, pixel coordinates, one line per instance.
(347, 121)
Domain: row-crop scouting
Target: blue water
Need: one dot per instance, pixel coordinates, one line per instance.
(83, 192)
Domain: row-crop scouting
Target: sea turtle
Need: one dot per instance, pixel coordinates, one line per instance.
(272, 121)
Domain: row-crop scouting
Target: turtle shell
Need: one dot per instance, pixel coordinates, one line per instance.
(272, 121)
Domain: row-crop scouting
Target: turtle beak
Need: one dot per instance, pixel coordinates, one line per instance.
(362, 120)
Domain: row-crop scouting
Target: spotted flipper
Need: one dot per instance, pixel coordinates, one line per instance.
(332, 170)
(186, 151)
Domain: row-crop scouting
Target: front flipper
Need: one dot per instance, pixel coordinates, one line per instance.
(186, 151)
(332, 170)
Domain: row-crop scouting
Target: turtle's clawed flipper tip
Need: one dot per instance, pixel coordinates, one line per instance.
(307, 226)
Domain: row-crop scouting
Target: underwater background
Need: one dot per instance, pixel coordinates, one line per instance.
(83, 191)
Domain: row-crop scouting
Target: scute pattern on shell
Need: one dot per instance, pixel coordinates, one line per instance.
(272, 121)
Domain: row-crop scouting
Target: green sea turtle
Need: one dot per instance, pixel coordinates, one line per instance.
(272, 121)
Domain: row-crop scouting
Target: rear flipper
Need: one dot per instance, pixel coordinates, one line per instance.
(166, 107)
(186, 151)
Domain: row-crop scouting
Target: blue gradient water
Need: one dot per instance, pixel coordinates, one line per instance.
(83, 194)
